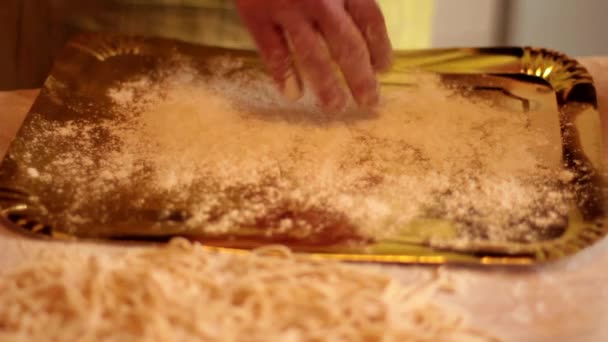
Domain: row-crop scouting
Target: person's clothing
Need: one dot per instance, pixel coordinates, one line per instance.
(215, 22)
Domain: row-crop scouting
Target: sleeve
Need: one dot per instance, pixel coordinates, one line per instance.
(210, 22)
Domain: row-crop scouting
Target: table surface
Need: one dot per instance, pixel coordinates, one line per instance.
(563, 301)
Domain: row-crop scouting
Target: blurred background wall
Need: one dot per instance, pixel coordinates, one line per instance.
(32, 31)
(576, 27)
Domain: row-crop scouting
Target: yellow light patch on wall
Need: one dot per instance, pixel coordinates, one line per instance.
(409, 22)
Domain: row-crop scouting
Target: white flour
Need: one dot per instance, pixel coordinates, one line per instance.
(231, 153)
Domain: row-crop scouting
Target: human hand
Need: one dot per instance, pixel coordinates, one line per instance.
(304, 38)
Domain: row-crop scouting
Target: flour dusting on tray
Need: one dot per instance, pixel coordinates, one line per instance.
(224, 154)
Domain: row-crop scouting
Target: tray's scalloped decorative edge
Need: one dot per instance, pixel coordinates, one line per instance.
(108, 45)
(572, 84)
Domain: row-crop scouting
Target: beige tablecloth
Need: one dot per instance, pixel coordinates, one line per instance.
(563, 301)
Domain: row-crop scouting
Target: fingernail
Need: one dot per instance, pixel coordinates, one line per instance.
(291, 88)
(370, 98)
(383, 65)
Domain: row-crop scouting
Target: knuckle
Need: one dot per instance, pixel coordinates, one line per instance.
(311, 58)
(309, 51)
(301, 38)
(352, 56)
(318, 6)
(278, 63)
(366, 12)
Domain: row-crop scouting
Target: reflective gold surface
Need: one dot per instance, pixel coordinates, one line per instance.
(513, 77)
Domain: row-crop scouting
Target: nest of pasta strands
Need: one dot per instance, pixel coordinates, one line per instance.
(186, 292)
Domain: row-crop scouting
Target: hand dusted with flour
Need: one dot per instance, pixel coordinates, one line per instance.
(303, 39)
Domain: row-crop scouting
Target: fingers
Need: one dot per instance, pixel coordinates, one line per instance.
(369, 18)
(275, 54)
(313, 34)
(350, 52)
(314, 61)
(277, 57)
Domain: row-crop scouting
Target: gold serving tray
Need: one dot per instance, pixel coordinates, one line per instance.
(516, 77)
